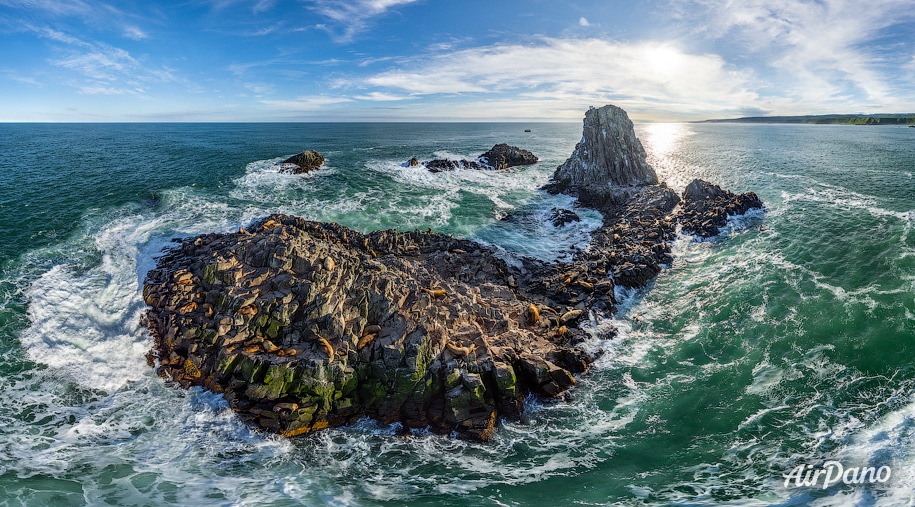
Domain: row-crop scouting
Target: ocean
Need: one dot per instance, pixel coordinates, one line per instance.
(786, 341)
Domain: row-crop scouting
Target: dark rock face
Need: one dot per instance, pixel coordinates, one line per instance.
(503, 156)
(413, 162)
(561, 217)
(606, 163)
(304, 162)
(303, 325)
(706, 207)
(441, 165)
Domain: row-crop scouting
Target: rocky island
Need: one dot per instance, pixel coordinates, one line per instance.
(304, 325)
(500, 156)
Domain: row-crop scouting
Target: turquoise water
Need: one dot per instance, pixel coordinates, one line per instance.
(788, 340)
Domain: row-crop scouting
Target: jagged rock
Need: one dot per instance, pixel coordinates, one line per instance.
(503, 156)
(413, 162)
(440, 165)
(607, 162)
(304, 162)
(706, 207)
(561, 217)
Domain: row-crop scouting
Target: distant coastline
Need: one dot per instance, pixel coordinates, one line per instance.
(827, 119)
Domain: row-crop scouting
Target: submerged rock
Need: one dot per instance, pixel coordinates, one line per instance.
(560, 217)
(706, 207)
(503, 156)
(304, 162)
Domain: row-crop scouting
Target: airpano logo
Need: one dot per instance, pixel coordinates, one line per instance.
(832, 473)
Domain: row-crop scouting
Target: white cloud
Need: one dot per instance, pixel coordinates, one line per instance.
(562, 75)
(583, 21)
(354, 15)
(107, 90)
(57, 7)
(311, 103)
(819, 51)
(263, 6)
(382, 97)
(135, 33)
(111, 70)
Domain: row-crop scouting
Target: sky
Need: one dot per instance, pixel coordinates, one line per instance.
(452, 60)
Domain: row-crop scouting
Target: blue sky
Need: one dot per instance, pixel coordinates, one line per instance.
(441, 60)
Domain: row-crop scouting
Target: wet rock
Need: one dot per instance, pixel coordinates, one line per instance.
(503, 156)
(441, 165)
(706, 207)
(560, 217)
(413, 162)
(304, 162)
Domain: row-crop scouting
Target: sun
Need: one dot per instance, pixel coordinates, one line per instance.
(664, 59)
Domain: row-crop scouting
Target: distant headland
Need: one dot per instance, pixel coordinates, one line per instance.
(828, 119)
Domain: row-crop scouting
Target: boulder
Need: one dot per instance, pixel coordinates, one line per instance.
(503, 156)
(304, 162)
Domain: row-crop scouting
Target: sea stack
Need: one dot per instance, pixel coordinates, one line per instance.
(608, 161)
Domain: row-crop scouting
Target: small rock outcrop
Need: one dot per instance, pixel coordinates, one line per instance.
(503, 156)
(706, 207)
(500, 156)
(561, 217)
(607, 162)
(442, 165)
(304, 162)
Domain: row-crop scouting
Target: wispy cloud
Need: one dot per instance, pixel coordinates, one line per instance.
(583, 21)
(135, 33)
(382, 97)
(567, 73)
(312, 103)
(109, 69)
(56, 7)
(353, 16)
(820, 51)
